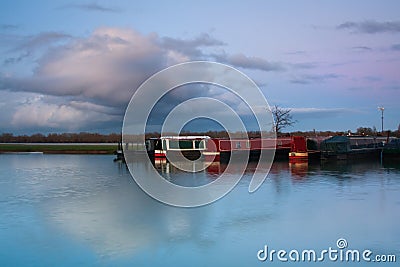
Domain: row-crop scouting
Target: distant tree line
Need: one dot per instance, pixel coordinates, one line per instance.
(82, 137)
(364, 131)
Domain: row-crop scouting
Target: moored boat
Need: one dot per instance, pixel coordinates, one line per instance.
(351, 147)
(298, 149)
(391, 150)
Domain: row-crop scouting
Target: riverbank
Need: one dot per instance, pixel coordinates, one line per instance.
(60, 148)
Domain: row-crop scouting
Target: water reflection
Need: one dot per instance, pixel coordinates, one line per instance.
(119, 222)
(90, 207)
(391, 164)
(299, 169)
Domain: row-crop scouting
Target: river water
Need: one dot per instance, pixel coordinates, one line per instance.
(86, 210)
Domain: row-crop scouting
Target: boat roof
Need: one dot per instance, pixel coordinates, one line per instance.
(353, 138)
(188, 137)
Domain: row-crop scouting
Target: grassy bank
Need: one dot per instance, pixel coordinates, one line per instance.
(59, 149)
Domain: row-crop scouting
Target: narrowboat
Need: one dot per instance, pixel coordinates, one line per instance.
(350, 147)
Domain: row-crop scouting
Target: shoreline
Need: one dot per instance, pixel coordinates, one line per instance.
(57, 148)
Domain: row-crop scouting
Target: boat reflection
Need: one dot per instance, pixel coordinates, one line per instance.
(298, 168)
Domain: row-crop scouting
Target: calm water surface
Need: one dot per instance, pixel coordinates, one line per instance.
(86, 210)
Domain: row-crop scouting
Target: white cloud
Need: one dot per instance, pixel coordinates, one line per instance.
(106, 67)
(35, 112)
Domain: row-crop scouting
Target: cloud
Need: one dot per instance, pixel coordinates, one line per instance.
(107, 66)
(8, 26)
(25, 46)
(96, 75)
(311, 78)
(103, 68)
(297, 52)
(41, 39)
(243, 61)
(305, 65)
(93, 7)
(36, 112)
(181, 94)
(17, 59)
(395, 47)
(191, 46)
(321, 112)
(371, 78)
(361, 48)
(371, 26)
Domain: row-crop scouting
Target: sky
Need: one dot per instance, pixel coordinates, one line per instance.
(72, 66)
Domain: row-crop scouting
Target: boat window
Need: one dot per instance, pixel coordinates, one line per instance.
(180, 144)
(173, 144)
(238, 145)
(199, 144)
(185, 144)
(148, 145)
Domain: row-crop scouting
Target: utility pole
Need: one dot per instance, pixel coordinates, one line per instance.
(382, 109)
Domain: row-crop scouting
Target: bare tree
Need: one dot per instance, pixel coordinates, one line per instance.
(283, 118)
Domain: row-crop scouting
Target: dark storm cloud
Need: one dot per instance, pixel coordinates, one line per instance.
(371, 26)
(107, 66)
(87, 81)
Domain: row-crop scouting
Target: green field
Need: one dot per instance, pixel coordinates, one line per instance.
(59, 149)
